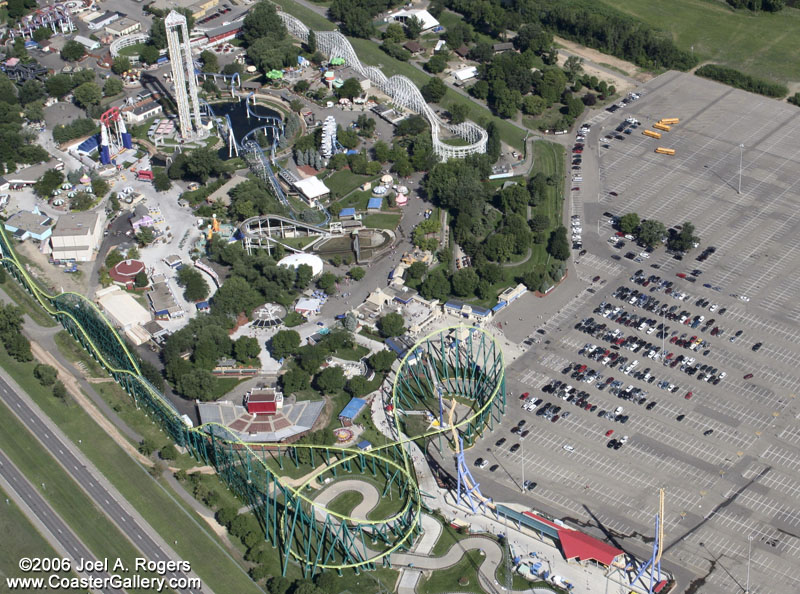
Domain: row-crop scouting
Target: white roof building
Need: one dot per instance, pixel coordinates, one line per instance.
(427, 19)
(295, 260)
(307, 306)
(465, 73)
(121, 308)
(77, 236)
(312, 189)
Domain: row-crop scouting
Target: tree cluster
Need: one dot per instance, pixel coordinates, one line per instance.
(17, 346)
(740, 80)
(195, 287)
(758, 5)
(198, 165)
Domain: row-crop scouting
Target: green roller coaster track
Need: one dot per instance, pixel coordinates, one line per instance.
(317, 538)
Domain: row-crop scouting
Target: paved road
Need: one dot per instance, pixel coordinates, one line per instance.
(40, 513)
(85, 474)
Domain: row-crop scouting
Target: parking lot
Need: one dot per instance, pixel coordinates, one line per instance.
(725, 448)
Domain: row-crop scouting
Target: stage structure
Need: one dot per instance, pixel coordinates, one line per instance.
(183, 75)
(314, 537)
(401, 89)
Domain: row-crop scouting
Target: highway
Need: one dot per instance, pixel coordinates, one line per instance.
(91, 480)
(31, 503)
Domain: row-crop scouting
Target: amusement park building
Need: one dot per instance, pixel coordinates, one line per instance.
(77, 236)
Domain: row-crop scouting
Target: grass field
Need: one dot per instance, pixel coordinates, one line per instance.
(446, 580)
(20, 539)
(158, 505)
(370, 54)
(345, 181)
(88, 522)
(345, 503)
(382, 220)
(761, 44)
(15, 291)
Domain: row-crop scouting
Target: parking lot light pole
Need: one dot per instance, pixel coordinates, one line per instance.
(741, 156)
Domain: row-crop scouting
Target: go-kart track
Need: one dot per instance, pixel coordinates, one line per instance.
(460, 363)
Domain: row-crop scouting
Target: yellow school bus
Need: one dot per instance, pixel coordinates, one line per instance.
(665, 151)
(669, 121)
(651, 134)
(661, 127)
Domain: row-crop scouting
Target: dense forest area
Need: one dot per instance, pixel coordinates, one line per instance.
(590, 23)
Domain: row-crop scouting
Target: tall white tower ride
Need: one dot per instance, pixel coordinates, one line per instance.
(180, 56)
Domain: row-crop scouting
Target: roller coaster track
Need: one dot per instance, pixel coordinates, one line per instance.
(400, 88)
(254, 155)
(254, 470)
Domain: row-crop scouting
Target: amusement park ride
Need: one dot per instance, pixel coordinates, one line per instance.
(57, 17)
(114, 136)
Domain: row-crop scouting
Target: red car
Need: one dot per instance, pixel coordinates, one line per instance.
(748, 376)
(523, 396)
(688, 396)
(609, 432)
(673, 340)
(576, 189)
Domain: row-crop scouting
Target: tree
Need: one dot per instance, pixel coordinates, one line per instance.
(161, 181)
(381, 151)
(100, 187)
(629, 222)
(464, 282)
(357, 386)
(684, 240)
(209, 59)
(284, 343)
(382, 360)
(350, 88)
(573, 67)
(327, 282)
(435, 286)
(120, 64)
(295, 380)
(458, 113)
(392, 324)
(50, 181)
(533, 105)
(436, 64)
(356, 273)
(168, 452)
(539, 222)
(329, 380)
(46, 374)
(296, 105)
(147, 446)
(416, 271)
(194, 284)
(30, 91)
(434, 90)
(493, 146)
(480, 90)
(246, 348)
(149, 54)
(72, 51)
(557, 245)
(651, 232)
(589, 99)
(209, 86)
(413, 27)
(140, 281)
(112, 86)
(199, 384)
(311, 42)
(87, 94)
(145, 236)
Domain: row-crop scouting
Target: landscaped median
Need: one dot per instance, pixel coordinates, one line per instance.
(193, 541)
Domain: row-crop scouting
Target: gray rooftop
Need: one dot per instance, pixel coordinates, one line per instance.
(82, 223)
(29, 221)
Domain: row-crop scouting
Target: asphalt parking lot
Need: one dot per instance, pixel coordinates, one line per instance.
(730, 464)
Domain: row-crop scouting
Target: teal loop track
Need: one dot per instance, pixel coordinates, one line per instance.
(463, 363)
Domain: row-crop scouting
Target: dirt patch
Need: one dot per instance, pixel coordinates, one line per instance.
(53, 276)
(598, 58)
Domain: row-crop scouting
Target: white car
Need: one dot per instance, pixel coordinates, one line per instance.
(744, 298)
(713, 307)
(624, 440)
(723, 375)
(569, 448)
(644, 255)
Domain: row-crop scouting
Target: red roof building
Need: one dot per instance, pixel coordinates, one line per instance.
(580, 546)
(124, 273)
(264, 401)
